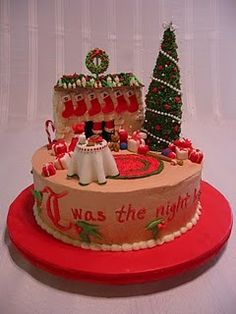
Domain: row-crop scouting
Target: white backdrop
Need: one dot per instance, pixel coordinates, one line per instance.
(42, 39)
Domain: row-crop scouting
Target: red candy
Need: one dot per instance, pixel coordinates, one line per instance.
(48, 169)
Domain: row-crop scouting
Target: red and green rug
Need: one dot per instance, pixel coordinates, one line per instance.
(133, 166)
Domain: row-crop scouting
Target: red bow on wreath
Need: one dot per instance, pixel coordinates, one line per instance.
(96, 52)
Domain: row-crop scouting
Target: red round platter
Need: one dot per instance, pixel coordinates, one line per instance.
(189, 251)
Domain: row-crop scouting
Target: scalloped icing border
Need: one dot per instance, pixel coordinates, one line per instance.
(119, 247)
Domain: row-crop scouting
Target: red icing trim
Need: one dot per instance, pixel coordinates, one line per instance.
(52, 207)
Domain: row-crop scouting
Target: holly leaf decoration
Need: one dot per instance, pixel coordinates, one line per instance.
(153, 226)
(37, 195)
(154, 223)
(84, 237)
(88, 230)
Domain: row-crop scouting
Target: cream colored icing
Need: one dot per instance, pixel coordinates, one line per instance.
(148, 198)
(117, 247)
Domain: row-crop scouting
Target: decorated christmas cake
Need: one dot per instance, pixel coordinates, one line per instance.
(116, 175)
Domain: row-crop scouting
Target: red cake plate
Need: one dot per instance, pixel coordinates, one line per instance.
(189, 251)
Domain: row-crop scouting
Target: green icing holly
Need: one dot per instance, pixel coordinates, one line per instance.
(154, 226)
(38, 197)
(87, 230)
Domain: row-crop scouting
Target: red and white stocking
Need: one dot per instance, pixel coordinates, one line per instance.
(97, 127)
(121, 102)
(81, 107)
(133, 102)
(109, 126)
(68, 107)
(109, 106)
(95, 105)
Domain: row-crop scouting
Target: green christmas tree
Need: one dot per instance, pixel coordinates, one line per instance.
(163, 100)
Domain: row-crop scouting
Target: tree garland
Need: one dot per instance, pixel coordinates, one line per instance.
(168, 56)
(167, 84)
(162, 113)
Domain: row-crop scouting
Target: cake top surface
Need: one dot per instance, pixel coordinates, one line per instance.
(172, 175)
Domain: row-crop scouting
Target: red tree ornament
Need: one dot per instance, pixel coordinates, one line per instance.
(177, 99)
(167, 107)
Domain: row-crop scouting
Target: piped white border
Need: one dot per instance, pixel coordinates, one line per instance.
(119, 247)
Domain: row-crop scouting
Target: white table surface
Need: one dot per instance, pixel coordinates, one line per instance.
(25, 289)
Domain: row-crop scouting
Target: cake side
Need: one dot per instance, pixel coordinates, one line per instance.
(123, 214)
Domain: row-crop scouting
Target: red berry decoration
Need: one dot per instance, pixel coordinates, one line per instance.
(158, 127)
(162, 225)
(176, 129)
(160, 67)
(78, 229)
(155, 90)
(175, 69)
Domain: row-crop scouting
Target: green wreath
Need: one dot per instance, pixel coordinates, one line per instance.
(97, 61)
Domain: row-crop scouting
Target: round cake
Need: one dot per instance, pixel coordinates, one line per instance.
(123, 214)
(100, 183)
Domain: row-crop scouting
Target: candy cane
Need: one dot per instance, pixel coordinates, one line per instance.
(47, 125)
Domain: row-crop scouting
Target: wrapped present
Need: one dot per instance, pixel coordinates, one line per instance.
(62, 161)
(195, 155)
(181, 153)
(135, 141)
(73, 143)
(172, 147)
(183, 143)
(59, 147)
(78, 138)
(48, 169)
